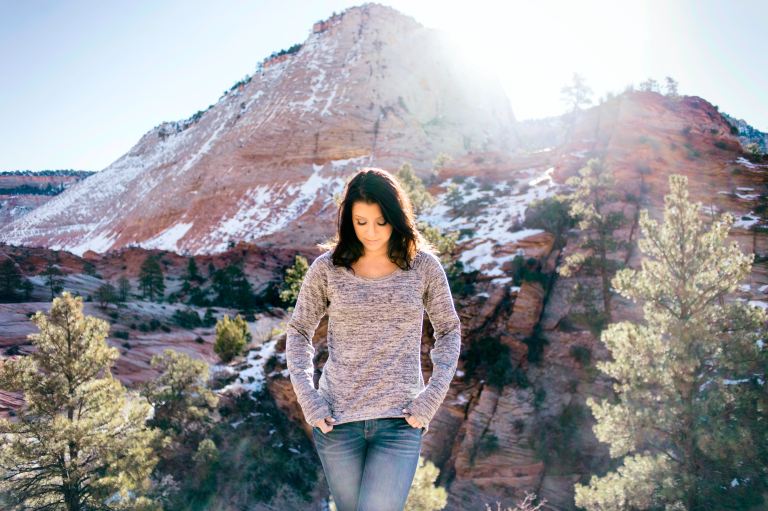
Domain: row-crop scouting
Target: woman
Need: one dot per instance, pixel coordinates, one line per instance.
(372, 408)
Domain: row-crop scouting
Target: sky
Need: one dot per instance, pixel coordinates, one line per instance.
(83, 80)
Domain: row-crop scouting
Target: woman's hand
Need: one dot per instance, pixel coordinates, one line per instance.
(323, 424)
(412, 420)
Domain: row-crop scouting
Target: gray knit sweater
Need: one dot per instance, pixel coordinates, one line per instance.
(374, 341)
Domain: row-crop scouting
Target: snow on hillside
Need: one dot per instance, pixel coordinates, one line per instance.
(503, 205)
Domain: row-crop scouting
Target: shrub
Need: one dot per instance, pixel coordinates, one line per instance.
(461, 283)
(551, 215)
(535, 342)
(489, 357)
(489, 443)
(209, 319)
(582, 354)
(231, 337)
(188, 318)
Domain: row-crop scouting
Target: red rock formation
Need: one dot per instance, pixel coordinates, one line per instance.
(262, 164)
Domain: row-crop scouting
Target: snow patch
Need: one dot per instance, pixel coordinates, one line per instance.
(503, 205)
(169, 238)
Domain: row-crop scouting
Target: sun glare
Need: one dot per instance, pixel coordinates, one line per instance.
(534, 48)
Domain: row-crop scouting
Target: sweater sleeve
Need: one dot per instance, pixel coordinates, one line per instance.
(299, 352)
(438, 303)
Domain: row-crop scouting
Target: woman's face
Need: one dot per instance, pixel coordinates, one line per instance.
(371, 228)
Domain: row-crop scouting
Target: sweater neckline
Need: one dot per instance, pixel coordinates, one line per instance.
(373, 279)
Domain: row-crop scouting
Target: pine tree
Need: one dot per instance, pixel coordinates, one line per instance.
(105, 294)
(577, 94)
(53, 278)
(151, 278)
(590, 203)
(180, 396)
(233, 288)
(209, 319)
(10, 281)
(413, 186)
(453, 196)
(650, 85)
(192, 274)
(294, 275)
(184, 405)
(81, 441)
(690, 407)
(190, 283)
(671, 85)
(438, 164)
(123, 288)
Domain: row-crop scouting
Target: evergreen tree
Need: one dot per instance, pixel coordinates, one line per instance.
(550, 214)
(10, 281)
(414, 187)
(294, 275)
(671, 86)
(151, 278)
(192, 274)
(590, 203)
(438, 165)
(53, 278)
(443, 244)
(89, 269)
(105, 294)
(26, 289)
(209, 319)
(190, 286)
(577, 94)
(453, 196)
(233, 288)
(184, 406)
(80, 442)
(689, 417)
(123, 288)
(231, 337)
(650, 85)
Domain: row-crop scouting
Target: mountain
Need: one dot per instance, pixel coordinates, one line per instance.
(369, 86)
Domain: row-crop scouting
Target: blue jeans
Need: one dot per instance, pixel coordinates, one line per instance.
(369, 464)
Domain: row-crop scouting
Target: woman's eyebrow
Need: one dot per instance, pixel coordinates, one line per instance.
(364, 218)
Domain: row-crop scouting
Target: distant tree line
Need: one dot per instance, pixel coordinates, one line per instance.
(27, 189)
(293, 49)
(62, 172)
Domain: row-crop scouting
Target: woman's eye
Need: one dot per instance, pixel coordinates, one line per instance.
(363, 223)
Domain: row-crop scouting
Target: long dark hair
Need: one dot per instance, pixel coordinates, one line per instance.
(375, 185)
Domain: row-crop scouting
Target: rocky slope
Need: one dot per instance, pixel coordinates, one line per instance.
(369, 86)
(22, 191)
